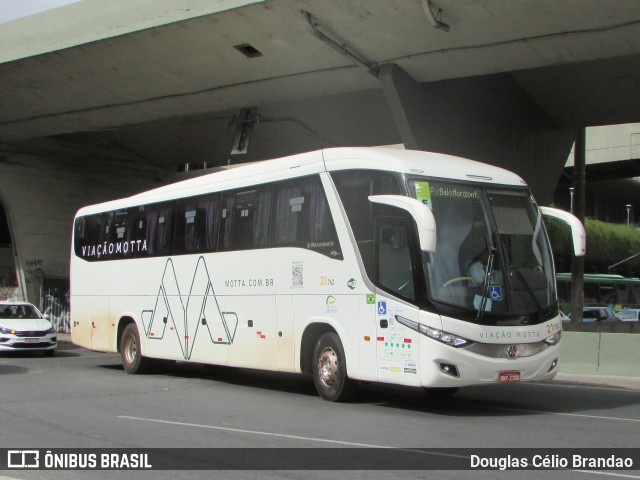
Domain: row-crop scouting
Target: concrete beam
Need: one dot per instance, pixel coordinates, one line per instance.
(97, 20)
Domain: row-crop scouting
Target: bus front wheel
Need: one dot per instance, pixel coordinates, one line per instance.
(132, 359)
(330, 369)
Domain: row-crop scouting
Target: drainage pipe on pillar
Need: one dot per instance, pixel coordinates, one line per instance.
(579, 196)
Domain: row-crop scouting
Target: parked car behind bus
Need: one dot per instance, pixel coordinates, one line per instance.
(598, 314)
(23, 327)
(629, 315)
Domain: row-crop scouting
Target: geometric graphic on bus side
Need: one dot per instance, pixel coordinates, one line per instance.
(197, 314)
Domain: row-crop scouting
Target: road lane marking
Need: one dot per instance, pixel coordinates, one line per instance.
(284, 435)
(579, 415)
(593, 386)
(339, 442)
(257, 432)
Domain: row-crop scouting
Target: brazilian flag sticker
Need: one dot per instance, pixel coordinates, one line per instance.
(371, 299)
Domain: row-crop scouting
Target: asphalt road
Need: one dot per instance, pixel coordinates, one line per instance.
(81, 399)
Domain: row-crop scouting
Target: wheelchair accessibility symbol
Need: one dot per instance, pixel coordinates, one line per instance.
(495, 293)
(382, 308)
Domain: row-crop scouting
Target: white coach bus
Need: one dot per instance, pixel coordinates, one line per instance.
(349, 264)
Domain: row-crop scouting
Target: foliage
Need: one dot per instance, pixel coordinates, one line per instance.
(607, 244)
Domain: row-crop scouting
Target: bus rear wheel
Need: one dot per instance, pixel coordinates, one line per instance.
(330, 369)
(132, 359)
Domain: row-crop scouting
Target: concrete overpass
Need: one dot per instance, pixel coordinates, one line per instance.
(101, 99)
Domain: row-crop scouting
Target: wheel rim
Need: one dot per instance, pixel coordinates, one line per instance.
(130, 349)
(328, 367)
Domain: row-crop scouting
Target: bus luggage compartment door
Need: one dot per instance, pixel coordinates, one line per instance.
(255, 343)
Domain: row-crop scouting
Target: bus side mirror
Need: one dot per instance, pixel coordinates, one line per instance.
(577, 229)
(420, 213)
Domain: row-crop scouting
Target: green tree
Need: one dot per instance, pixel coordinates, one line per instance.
(607, 244)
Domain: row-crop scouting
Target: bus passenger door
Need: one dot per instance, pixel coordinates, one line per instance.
(255, 342)
(397, 274)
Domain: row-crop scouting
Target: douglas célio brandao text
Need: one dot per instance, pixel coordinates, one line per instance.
(550, 461)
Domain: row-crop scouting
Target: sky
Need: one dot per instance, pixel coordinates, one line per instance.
(12, 9)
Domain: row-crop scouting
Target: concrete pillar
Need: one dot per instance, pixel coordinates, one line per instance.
(489, 118)
(406, 104)
(579, 198)
(41, 194)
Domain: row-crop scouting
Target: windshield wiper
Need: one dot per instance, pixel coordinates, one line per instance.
(527, 287)
(485, 285)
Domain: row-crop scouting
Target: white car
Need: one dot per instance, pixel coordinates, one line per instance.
(629, 315)
(22, 328)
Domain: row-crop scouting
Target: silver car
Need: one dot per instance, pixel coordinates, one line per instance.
(598, 314)
(22, 328)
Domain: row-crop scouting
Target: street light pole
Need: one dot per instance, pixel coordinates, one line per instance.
(571, 199)
(628, 213)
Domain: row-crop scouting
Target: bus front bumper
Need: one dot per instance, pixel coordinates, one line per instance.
(445, 366)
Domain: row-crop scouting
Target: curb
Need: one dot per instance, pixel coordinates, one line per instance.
(628, 383)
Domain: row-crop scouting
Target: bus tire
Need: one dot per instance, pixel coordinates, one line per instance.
(132, 359)
(329, 369)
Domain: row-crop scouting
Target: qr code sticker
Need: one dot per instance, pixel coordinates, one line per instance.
(297, 279)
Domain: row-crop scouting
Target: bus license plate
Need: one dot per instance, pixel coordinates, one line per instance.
(509, 377)
(32, 340)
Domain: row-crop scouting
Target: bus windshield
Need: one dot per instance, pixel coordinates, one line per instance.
(492, 258)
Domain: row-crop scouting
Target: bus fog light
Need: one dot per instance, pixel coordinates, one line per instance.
(449, 369)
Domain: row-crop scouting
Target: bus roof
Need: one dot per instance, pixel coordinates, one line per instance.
(434, 165)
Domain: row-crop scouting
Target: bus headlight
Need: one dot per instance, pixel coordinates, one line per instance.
(435, 334)
(553, 339)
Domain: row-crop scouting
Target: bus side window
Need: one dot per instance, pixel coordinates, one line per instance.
(121, 232)
(302, 218)
(90, 231)
(197, 224)
(288, 218)
(245, 219)
(159, 223)
(354, 188)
